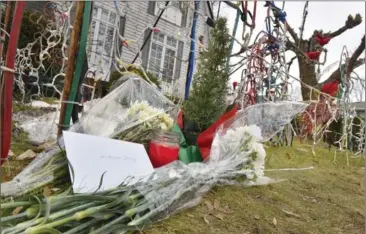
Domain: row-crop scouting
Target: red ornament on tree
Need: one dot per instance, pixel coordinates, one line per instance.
(314, 55)
(235, 84)
(322, 40)
(331, 88)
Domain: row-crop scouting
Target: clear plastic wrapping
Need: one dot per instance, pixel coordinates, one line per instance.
(236, 158)
(133, 107)
(109, 117)
(28, 179)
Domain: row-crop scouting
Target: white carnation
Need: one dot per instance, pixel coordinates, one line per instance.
(242, 143)
(142, 111)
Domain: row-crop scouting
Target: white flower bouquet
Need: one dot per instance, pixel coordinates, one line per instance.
(244, 144)
(237, 151)
(238, 143)
(148, 120)
(128, 105)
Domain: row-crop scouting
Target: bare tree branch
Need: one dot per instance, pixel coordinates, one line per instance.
(292, 33)
(353, 63)
(350, 23)
(304, 15)
(242, 50)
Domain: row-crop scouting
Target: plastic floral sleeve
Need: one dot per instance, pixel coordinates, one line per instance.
(131, 112)
(237, 158)
(132, 103)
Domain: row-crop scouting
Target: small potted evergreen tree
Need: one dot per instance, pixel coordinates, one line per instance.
(207, 100)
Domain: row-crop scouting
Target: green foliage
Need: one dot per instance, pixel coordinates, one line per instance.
(174, 99)
(207, 100)
(139, 72)
(115, 75)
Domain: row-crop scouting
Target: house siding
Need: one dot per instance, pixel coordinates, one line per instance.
(136, 25)
(137, 20)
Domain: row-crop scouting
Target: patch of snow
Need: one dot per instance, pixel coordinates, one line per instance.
(29, 154)
(43, 104)
(42, 128)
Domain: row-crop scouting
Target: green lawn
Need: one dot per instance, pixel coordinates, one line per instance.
(326, 199)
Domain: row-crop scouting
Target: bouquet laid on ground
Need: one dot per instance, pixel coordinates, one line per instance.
(130, 112)
(237, 157)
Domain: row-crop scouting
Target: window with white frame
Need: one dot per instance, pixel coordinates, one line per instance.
(172, 13)
(101, 38)
(163, 52)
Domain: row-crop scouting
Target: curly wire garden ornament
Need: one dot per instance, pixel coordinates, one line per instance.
(265, 77)
(45, 56)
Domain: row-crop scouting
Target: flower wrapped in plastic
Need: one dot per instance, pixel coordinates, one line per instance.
(151, 119)
(237, 158)
(130, 112)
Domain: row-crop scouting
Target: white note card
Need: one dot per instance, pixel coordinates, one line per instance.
(91, 156)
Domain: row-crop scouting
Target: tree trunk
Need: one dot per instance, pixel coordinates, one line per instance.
(308, 76)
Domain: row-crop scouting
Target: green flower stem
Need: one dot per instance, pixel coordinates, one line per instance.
(38, 229)
(28, 224)
(108, 226)
(136, 210)
(134, 198)
(91, 211)
(12, 205)
(76, 230)
(13, 217)
(81, 197)
(47, 230)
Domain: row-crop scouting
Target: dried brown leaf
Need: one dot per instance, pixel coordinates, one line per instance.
(274, 221)
(225, 210)
(47, 191)
(206, 220)
(217, 204)
(290, 213)
(219, 216)
(209, 205)
(17, 210)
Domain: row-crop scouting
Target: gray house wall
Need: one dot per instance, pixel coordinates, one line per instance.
(359, 108)
(135, 19)
(138, 16)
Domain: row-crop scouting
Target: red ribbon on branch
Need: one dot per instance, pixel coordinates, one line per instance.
(314, 55)
(331, 88)
(322, 40)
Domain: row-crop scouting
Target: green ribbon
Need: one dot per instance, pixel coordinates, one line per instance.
(187, 153)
